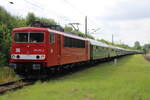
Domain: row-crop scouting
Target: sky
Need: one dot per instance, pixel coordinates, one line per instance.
(127, 20)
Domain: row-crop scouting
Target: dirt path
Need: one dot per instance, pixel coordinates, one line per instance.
(147, 57)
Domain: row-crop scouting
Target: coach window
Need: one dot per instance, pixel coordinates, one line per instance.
(73, 43)
(52, 38)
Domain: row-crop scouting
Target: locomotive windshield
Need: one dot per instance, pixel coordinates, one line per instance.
(29, 37)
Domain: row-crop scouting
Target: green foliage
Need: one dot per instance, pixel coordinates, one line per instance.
(19, 22)
(4, 44)
(30, 19)
(7, 74)
(146, 48)
(104, 41)
(2, 59)
(68, 29)
(48, 21)
(118, 45)
(90, 36)
(5, 17)
(79, 33)
(137, 45)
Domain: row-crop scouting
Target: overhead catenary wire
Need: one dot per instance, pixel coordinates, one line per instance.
(82, 13)
(35, 4)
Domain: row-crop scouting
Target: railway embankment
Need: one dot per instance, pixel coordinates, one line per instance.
(128, 79)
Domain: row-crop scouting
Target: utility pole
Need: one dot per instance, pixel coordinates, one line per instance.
(86, 25)
(112, 39)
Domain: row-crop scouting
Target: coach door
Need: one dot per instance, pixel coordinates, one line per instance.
(53, 49)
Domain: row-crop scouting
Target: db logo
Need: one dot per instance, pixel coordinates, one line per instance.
(17, 49)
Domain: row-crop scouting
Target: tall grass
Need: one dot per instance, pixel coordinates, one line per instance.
(7, 74)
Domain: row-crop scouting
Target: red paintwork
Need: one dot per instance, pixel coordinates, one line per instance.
(55, 53)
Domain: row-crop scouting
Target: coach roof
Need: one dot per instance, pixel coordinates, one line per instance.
(97, 43)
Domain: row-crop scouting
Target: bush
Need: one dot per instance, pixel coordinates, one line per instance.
(2, 60)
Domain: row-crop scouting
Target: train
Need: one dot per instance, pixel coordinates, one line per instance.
(38, 49)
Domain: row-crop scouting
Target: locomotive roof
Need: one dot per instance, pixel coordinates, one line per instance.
(67, 34)
(50, 30)
(29, 28)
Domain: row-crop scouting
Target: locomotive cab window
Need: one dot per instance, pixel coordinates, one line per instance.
(52, 38)
(29, 37)
(21, 37)
(36, 37)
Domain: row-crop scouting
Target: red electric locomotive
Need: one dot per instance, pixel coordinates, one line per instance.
(35, 49)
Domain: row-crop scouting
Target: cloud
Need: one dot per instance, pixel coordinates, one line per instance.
(128, 10)
(128, 31)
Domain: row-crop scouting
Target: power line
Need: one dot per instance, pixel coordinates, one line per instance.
(37, 6)
(81, 12)
(43, 9)
(70, 4)
(58, 15)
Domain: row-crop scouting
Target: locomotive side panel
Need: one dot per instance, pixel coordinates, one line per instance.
(53, 46)
(73, 50)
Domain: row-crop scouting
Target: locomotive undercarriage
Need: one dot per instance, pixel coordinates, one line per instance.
(26, 69)
(39, 70)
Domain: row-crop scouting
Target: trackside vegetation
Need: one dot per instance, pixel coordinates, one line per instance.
(127, 80)
(7, 74)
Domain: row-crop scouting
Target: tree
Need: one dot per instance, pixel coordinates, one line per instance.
(46, 20)
(4, 43)
(68, 29)
(7, 23)
(137, 45)
(146, 48)
(30, 19)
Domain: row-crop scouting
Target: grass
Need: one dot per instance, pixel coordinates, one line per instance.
(127, 80)
(7, 74)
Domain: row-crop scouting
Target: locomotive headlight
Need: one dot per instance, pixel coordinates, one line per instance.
(42, 57)
(13, 56)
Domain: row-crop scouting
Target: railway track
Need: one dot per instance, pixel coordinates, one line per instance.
(13, 85)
